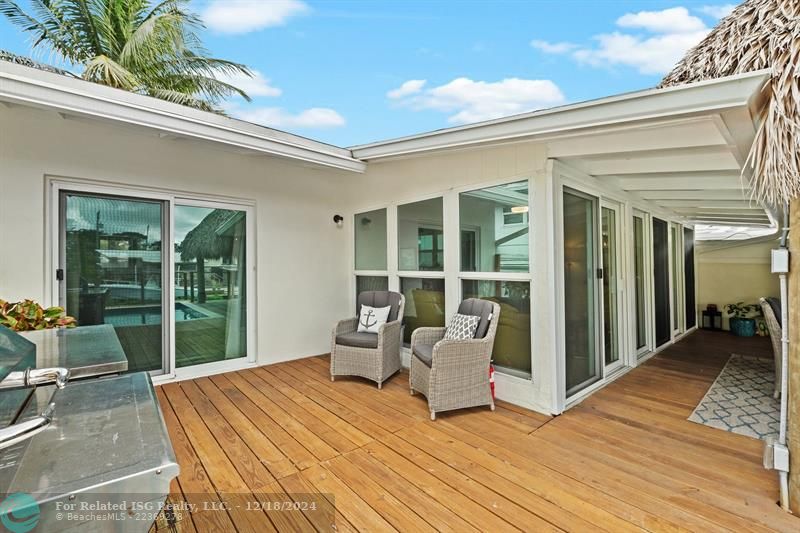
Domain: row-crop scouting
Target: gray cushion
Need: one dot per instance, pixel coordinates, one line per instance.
(481, 308)
(358, 340)
(775, 304)
(424, 353)
(380, 299)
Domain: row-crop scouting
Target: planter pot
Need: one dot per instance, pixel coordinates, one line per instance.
(743, 327)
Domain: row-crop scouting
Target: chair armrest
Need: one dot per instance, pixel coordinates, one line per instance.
(387, 330)
(462, 352)
(427, 335)
(348, 325)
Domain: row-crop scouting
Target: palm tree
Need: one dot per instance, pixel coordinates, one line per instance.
(759, 34)
(136, 45)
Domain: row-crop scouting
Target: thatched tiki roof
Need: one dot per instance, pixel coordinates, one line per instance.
(759, 34)
(204, 240)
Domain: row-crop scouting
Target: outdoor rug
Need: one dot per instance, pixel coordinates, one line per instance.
(740, 400)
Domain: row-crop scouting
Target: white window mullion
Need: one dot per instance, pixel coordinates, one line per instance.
(452, 256)
(392, 245)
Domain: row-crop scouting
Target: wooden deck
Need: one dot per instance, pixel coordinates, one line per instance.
(625, 459)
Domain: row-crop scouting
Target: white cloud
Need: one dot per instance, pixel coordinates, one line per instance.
(553, 48)
(717, 11)
(473, 101)
(243, 16)
(669, 34)
(672, 20)
(258, 85)
(276, 117)
(406, 89)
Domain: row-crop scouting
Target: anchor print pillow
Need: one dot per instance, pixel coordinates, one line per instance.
(372, 318)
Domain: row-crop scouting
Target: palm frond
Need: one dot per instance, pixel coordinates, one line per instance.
(139, 45)
(105, 70)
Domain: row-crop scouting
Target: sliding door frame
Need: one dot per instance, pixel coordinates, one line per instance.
(55, 242)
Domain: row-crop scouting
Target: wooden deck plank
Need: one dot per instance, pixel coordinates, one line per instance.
(625, 459)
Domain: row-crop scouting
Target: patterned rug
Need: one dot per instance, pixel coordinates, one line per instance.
(740, 400)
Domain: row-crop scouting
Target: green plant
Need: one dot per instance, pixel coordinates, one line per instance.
(28, 315)
(141, 46)
(742, 310)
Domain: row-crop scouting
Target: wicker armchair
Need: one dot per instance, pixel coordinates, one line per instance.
(455, 374)
(775, 334)
(369, 355)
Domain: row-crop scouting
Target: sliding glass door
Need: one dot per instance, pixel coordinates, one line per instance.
(661, 269)
(164, 307)
(210, 284)
(676, 277)
(112, 274)
(640, 284)
(581, 346)
(610, 251)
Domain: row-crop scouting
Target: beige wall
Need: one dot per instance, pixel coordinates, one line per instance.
(301, 259)
(739, 273)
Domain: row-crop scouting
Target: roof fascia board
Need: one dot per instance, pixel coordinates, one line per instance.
(24, 85)
(707, 97)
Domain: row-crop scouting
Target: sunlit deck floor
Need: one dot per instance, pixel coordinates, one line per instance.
(624, 459)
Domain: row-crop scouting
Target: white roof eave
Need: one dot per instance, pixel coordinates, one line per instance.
(707, 97)
(28, 86)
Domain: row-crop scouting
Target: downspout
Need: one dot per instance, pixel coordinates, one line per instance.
(784, 473)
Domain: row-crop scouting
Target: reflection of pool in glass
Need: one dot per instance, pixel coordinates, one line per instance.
(136, 316)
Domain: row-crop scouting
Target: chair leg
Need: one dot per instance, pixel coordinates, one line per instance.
(411, 391)
(380, 385)
(491, 406)
(433, 415)
(333, 378)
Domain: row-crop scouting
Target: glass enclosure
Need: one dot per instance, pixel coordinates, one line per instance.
(210, 285)
(610, 276)
(580, 316)
(494, 229)
(512, 344)
(424, 304)
(370, 240)
(113, 269)
(420, 236)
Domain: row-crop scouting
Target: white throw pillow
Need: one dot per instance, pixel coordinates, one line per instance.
(462, 327)
(372, 318)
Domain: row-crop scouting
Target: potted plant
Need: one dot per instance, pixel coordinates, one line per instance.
(743, 318)
(28, 315)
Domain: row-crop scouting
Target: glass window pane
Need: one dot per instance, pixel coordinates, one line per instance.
(638, 259)
(420, 236)
(494, 229)
(370, 230)
(210, 285)
(371, 283)
(114, 270)
(610, 275)
(512, 344)
(424, 304)
(579, 292)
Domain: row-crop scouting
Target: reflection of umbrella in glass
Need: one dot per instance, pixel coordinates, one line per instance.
(208, 240)
(759, 34)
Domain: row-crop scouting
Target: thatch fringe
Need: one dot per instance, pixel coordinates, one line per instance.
(759, 34)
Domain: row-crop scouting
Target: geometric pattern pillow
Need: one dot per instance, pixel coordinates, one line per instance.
(462, 327)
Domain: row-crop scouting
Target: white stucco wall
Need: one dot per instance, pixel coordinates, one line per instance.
(739, 273)
(302, 262)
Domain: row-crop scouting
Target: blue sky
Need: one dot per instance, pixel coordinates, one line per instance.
(351, 72)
